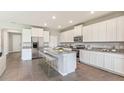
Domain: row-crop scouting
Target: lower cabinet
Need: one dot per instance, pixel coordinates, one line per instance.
(85, 56)
(2, 64)
(100, 60)
(110, 62)
(119, 65)
(26, 54)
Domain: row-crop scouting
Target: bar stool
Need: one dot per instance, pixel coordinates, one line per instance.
(51, 64)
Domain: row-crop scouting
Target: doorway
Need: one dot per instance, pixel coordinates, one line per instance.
(14, 42)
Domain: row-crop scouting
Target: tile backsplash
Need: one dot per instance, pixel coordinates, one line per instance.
(99, 45)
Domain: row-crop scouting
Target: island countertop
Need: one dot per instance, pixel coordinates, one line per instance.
(55, 52)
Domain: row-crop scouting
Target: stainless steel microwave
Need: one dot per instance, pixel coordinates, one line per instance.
(78, 39)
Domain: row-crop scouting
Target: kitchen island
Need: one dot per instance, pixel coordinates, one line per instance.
(66, 60)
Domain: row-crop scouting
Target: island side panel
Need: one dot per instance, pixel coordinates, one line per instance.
(67, 63)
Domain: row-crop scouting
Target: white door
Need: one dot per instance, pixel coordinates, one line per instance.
(16, 43)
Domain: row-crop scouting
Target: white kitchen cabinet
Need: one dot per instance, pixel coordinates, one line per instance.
(85, 56)
(37, 32)
(109, 62)
(119, 65)
(46, 36)
(93, 58)
(40, 31)
(26, 54)
(0, 40)
(78, 30)
(26, 35)
(111, 30)
(34, 33)
(87, 33)
(106, 61)
(100, 59)
(2, 64)
(120, 28)
(94, 33)
(67, 36)
(107, 31)
(101, 31)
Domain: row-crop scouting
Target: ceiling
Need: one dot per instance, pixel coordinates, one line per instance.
(38, 18)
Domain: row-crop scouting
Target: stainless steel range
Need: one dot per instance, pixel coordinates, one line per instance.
(77, 48)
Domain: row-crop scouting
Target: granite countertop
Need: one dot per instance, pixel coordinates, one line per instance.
(55, 51)
(119, 51)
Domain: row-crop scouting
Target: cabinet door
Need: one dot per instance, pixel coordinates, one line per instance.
(111, 29)
(102, 31)
(81, 56)
(120, 29)
(40, 33)
(84, 56)
(35, 32)
(87, 57)
(100, 60)
(93, 58)
(95, 31)
(26, 54)
(46, 36)
(109, 62)
(26, 35)
(85, 34)
(78, 30)
(119, 65)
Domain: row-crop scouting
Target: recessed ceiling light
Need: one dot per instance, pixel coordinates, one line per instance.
(59, 26)
(45, 24)
(53, 17)
(70, 21)
(92, 12)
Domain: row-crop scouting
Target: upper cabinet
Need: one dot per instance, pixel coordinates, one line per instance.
(37, 32)
(120, 29)
(68, 36)
(87, 36)
(26, 35)
(46, 36)
(107, 31)
(78, 30)
(111, 30)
